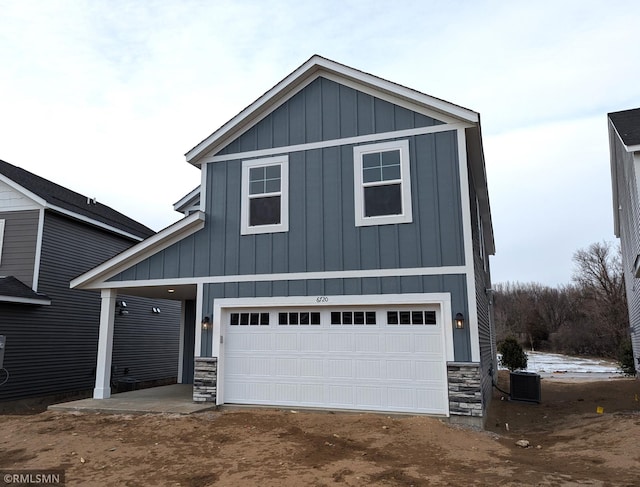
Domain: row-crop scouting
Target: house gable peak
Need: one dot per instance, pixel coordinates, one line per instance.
(318, 66)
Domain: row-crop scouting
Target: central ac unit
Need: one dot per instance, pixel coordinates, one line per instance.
(524, 386)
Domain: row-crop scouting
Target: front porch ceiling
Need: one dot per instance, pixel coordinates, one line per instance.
(178, 292)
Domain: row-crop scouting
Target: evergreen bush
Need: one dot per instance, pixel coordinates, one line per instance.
(625, 358)
(513, 356)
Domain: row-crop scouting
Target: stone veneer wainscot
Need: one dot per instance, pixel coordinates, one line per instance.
(205, 379)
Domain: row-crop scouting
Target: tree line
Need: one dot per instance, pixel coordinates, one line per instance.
(588, 316)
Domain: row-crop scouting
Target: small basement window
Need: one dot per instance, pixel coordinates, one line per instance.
(382, 183)
(265, 195)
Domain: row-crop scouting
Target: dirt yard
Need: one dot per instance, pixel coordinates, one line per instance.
(571, 444)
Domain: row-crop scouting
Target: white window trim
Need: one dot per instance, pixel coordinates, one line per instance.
(1, 238)
(283, 226)
(405, 181)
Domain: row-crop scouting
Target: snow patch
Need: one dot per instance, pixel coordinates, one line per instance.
(552, 364)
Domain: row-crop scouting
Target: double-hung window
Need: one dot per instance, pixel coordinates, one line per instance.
(382, 183)
(265, 195)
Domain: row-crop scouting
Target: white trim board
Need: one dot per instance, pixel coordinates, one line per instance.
(14, 299)
(293, 276)
(2, 225)
(467, 232)
(358, 139)
(38, 254)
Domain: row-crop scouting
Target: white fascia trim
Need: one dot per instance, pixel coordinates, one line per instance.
(187, 200)
(441, 106)
(93, 222)
(139, 252)
(294, 276)
(38, 255)
(43, 203)
(272, 97)
(614, 179)
(359, 139)
(318, 66)
(415, 104)
(14, 299)
(467, 232)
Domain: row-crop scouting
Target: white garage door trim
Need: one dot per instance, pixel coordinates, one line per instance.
(442, 301)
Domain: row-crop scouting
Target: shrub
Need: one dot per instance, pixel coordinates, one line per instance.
(513, 356)
(625, 358)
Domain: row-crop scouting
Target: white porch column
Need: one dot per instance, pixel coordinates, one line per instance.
(181, 341)
(105, 345)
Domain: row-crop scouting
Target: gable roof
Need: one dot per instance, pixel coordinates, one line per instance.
(318, 66)
(59, 198)
(313, 68)
(13, 290)
(627, 125)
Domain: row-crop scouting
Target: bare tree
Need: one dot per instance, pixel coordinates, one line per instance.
(587, 317)
(599, 277)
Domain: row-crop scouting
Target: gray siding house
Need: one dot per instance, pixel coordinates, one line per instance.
(335, 255)
(48, 236)
(624, 147)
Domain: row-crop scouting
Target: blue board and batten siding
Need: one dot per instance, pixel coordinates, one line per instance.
(326, 110)
(322, 233)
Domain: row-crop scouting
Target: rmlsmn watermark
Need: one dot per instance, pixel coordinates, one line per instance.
(31, 477)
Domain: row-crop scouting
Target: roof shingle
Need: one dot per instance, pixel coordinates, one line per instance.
(627, 124)
(74, 202)
(12, 289)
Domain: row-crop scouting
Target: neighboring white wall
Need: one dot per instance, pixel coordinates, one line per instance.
(12, 200)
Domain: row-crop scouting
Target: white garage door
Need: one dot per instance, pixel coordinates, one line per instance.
(365, 358)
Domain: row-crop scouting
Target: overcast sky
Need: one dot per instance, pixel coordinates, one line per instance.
(106, 97)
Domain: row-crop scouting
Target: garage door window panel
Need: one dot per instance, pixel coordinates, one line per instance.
(411, 317)
(353, 317)
(248, 319)
(299, 318)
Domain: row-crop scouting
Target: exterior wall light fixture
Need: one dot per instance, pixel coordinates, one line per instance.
(121, 307)
(206, 323)
(459, 321)
(155, 310)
